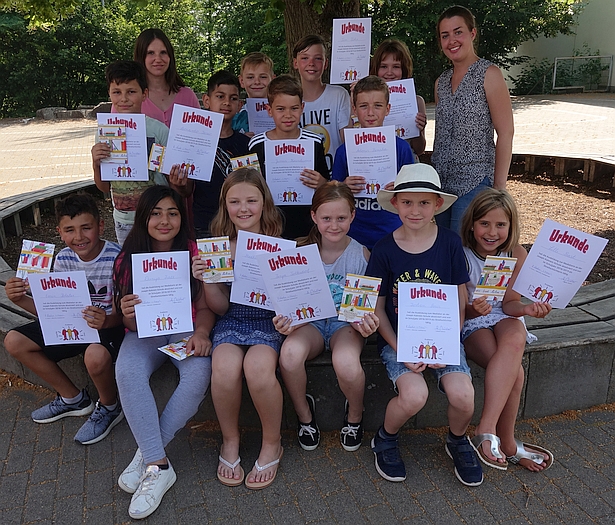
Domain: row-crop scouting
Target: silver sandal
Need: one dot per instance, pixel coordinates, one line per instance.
(494, 441)
(537, 457)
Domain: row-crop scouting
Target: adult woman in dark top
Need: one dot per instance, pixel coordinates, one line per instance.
(472, 101)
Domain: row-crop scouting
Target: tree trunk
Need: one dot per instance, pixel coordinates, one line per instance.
(300, 19)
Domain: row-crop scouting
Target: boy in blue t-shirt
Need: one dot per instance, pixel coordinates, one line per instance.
(371, 223)
(420, 251)
(79, 226)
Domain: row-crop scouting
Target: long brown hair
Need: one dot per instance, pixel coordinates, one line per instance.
(271, 218)
(329, 192)
(171, 75)
(399, 50)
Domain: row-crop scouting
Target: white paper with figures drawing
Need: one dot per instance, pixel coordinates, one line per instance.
(284, 162)
(249, 287)
(134, 168)
(162, 282)
(193, 141)
(60, 298)
(404, 108)
(351, 45)
(371, 153)
(558, 263)
(258, 116)
(428, 328)
(296, 282)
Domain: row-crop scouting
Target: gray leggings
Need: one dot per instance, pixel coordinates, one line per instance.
(137, 361)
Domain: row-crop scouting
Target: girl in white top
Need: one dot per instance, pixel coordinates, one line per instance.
(332, 212)
(494, 333)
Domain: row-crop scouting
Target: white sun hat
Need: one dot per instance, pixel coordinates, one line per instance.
(416, 178)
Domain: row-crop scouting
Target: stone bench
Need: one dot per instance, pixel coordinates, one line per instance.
(570, 367)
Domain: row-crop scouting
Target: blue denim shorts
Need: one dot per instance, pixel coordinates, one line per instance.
(327, 327)
(395, 370)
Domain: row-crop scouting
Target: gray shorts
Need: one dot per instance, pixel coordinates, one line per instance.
(396, 369)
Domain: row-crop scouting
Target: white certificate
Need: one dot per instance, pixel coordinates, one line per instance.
(284, 162)
(558, 263)
(402, 97)
(135, 168)
(297, 284)
(258, 117)
(350, 49)
(249, 287)
(371, 153)
(193, 141)
(162, 282)
(60, 298)
(428, 324)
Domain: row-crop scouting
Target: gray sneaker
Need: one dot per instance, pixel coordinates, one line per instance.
(99, 424)
(58, 409)
(130, 478)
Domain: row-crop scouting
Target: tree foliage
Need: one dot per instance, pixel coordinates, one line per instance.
(53, 53)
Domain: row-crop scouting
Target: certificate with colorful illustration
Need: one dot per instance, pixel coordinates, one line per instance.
(258, 116)
(428, 328)
(249, 287)
(558, 263)
(162, 282)
(193, 141)
(372, 154)
(216, 253)
(359, 297)
(404, 108)
(297, 285)
(495, 277)
(134, 167)
(350, 49)
(115, 138)
(35, 257)
(177, 350)
(284, 162)
(246, 161)
(60, 298)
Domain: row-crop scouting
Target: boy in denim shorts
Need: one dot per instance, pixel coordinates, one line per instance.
(420, 251)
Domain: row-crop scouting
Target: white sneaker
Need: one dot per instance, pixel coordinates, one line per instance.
(130, 478)
(154, 484)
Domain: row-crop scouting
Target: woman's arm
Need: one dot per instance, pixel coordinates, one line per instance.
(500, 108)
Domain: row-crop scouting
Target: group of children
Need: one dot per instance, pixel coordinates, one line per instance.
(232, 341)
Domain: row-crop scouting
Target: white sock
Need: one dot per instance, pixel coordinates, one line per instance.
(73, 400)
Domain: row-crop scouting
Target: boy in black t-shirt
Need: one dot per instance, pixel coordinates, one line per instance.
(420, 251)
(222, 97)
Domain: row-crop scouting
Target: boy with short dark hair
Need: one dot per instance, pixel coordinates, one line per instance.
(371, 223)
(79, 226)
(255, 75)
(285, 107)
(420, 251)
(327, 107)
(222, 97)
(127, 85)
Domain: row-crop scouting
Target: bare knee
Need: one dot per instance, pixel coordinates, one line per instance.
(461, 397)
(292, 357)
(348, 369)
(18, 345)
(97, 360)
(412, 400)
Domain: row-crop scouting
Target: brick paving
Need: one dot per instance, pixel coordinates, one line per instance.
(47, 478)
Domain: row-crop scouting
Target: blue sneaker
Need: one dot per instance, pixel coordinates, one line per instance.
(99, 424)
(388, 459)
(58, 409)
(467, 466)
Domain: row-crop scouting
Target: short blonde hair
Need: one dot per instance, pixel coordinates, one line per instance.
(256, 58)
(481, 205)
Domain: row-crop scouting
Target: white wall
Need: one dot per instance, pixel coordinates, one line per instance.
(595, 27)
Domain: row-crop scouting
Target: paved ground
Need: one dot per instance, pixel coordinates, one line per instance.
(46, 478)
(37, 154)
